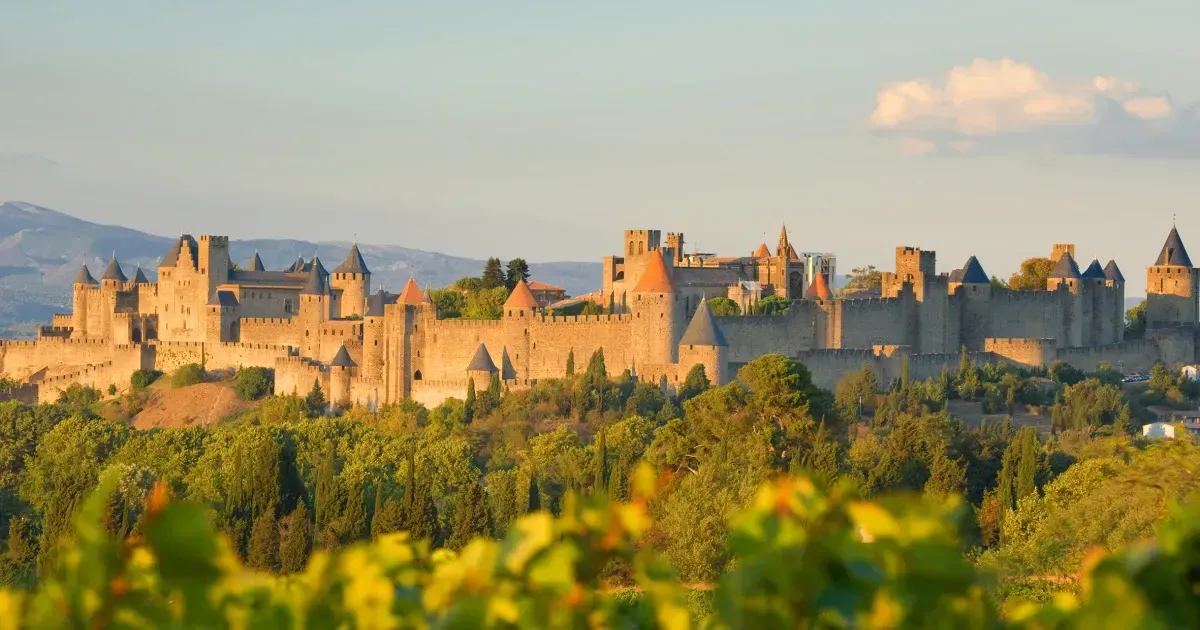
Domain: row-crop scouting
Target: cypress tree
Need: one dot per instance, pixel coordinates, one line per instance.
(389, 518)
(471, 518)
(325, 488)
(19, 571)
(571, 363)
(493, 390)
(1007, 478)
(618, 479)
(904, 374)
(535, 495)
(314, 402)
(469, 407)
(600, 463)
(295, 540)
(597, 372)
(354, 519)
(421, 520)
(263, 550)
(1027, 466)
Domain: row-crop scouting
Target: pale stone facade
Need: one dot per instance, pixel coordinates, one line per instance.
(310, 324)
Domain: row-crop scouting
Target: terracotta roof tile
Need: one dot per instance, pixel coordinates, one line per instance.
(819, 288)
(411, 294)
(521, 297)
(655, 278)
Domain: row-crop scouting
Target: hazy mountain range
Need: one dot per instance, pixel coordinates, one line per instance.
(41, 251)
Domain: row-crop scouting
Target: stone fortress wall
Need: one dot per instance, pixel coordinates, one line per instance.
(311, 324)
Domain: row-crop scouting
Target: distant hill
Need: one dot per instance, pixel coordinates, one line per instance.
(41, 251)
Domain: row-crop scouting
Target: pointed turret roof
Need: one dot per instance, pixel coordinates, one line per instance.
(1173, 252)
(298, 265)
(255, 263)
(703, 329)
(316, 264)
(85, 276)
(482, 361)
(411, 293)
(139, 277)
(1113, 272)
(781, 248)
(655, 278)
(342, 358)
(522, 297)
(113, 271)
(354, 262)
(819, 288)
(973, 272)
(1065, 268)
(315, 284)
(792, 255)
(376, 302)
(1093, 271)
(427, 297)
(172, 257)
(762, 251)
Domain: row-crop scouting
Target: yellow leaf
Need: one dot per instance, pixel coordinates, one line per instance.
(873, 521)
(10, 610)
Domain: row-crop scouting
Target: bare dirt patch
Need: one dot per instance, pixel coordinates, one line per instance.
(206, 403)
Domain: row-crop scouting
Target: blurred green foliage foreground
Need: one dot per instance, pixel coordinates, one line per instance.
(809, 555)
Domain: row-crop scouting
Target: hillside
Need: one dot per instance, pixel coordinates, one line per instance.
(41, 250)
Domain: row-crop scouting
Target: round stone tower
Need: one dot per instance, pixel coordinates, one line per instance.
(655, 306)
(353, 280)
(703, 344)
(1171, 286)
(341, 370)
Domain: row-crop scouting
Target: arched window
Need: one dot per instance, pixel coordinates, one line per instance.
(417, 375)
(287, 306)
(641, 246)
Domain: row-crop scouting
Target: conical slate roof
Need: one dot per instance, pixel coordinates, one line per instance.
(654, 277)
(375, 303)
(973, 272)
(819, 288)
(1065, 268)
(1093, 271)
(85, 276)
(482, 361)
(222, 298)
(172, 257)
(703, 329)
(1113, 272)
(316, 264)
(522, 297)
(113, 271)
(315, 284)
(1173, 252)
(354, 262)
(139, 277)
(255, 263)
(298, 265)
(411, 294)
(342, 358)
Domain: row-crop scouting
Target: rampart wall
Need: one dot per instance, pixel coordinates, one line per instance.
(449, 345)
(1027, 314)
(873, 321)
(272, 330)
(553, 338)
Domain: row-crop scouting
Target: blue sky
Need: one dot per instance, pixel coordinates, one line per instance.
(542, 129)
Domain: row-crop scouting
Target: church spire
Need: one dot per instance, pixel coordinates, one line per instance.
(784, 247)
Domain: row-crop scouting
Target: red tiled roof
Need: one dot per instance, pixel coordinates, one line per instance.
(762, 251)
(655, 278)
(411, 294)
(534, 285)
(819, 288)
(521, 297)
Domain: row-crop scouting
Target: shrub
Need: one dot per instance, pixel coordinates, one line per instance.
(142, 379)
(190, 374)
(253, 382)
(112, 389)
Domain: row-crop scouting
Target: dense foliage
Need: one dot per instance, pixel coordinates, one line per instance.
(1007, 512)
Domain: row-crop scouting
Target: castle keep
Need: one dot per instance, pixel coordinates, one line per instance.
(372, 348)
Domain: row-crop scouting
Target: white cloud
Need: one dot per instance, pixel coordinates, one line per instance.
(1008, 105)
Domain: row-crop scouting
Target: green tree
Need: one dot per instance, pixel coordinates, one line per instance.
(471, 399)
(723, 307)
(421, 517)
(947, 477)
(1135, 321)
(493, 274)
(263, 550)
(1028, 464)
(773, 305)
(141, 379)
(355, 523)
(388, 515)
(252, 383)
(864, 279)
(518, 270)
(449, 303)
(314, 402)
(19, 569)
(486, 303)
(534, 502)
(695, 383)
(295, 541)
(190, 374)
(1033, 275)
(570, 362)
(78, 398)
(470, 518)
(600, 462)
